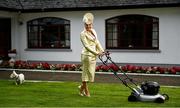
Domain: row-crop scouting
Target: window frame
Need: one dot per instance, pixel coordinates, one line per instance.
(39, 32)
(110, 43)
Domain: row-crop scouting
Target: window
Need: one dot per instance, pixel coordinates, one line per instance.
(132, 32)
(49, 32)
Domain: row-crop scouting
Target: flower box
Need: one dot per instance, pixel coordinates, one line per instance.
(12, 55)
(19, 64)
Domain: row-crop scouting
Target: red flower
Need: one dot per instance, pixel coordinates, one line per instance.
(98, 68)
(32, 65)
(111, 67)
(66, 66)
(72, 67)
(45, 66)
(161, 70)
(20, 64)
(143, 68)
(124, 68)
(172, 71)
(114, 67)
(177, 69)
(130, 68)
(104, 68)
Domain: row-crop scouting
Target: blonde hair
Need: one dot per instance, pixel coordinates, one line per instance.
(88, 18)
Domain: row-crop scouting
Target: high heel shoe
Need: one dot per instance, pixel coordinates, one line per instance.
(81, 93)
(87, 95)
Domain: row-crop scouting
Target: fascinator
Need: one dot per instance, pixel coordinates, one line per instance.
(88, 18)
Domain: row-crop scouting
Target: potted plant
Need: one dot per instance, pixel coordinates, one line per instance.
(1, 58)
(12, 54)
(12, 51)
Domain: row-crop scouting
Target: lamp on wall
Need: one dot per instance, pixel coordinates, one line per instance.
(20, 19)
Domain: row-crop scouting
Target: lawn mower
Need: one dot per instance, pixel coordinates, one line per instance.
(147, 91)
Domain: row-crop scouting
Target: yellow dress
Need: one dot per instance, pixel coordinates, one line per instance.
(91, 48)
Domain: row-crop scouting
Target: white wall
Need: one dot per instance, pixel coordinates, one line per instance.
(169, 32)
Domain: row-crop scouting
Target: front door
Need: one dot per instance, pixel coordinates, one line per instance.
(5, 36)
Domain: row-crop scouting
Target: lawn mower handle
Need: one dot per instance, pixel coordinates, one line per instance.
(105, 61)
(107, 54)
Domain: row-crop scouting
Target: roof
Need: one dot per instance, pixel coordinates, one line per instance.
(52, 5)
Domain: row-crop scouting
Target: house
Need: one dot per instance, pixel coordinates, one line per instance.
(134, 31)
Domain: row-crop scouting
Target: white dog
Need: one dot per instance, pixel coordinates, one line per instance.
(19, 78)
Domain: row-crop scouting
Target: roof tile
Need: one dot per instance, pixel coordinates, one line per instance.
(72, 4)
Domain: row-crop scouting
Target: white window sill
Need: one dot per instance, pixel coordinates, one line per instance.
(131, 50)
(53, 50)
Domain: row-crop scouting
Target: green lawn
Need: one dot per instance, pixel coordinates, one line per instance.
(65, 94)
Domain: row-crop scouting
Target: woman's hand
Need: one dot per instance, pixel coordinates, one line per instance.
(104, 53)
(101, 54)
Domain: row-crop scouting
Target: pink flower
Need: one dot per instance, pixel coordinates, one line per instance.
(149, 69)
(58, 66)
(154, 68)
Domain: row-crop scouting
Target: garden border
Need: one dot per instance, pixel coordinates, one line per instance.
(108, 77)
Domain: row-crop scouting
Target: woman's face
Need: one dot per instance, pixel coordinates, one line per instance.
(88, 26)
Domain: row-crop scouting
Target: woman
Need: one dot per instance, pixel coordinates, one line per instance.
(91, 49)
